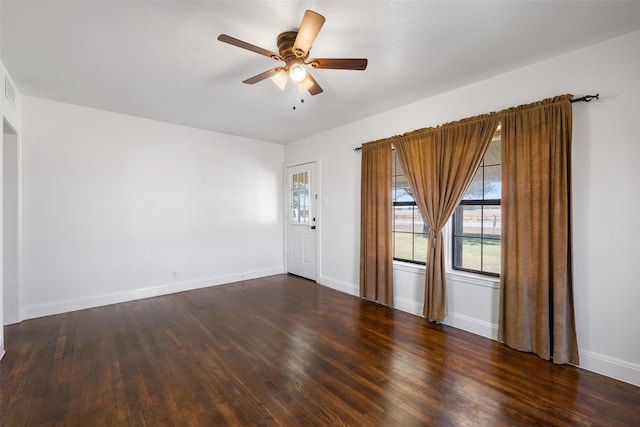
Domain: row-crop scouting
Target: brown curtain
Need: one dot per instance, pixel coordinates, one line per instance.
(439, 164)
(376, 270)
(536, 312)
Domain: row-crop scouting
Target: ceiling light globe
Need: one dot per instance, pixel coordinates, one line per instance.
(298, 73)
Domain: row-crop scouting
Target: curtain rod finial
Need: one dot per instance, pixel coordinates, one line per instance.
(586, 98)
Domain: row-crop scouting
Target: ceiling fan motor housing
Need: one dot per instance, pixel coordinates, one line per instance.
(285, 47)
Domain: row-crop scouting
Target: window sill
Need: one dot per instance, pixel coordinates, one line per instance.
(409, 267)
(458, 276)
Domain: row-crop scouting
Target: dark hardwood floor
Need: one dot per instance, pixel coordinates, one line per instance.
(284, 351)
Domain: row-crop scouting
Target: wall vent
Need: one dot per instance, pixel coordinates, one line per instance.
(9, 91)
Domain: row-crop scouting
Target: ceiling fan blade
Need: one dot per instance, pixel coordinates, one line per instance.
(262, 76)
(339, 63)
(311, 85)
(244, 45)
(309, 29)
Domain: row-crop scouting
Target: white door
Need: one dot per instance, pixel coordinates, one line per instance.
(301, 221)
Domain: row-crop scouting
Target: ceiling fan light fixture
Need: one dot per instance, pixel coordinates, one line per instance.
(280, 79)
(298, 73)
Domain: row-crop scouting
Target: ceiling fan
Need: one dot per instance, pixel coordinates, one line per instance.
(293, 48)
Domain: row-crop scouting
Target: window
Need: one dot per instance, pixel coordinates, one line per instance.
(300, 198)
(409, 231)
(477, 220)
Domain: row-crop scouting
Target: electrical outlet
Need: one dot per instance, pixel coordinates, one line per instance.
(174, 274)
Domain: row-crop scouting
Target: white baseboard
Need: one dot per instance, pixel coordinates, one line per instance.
(64, 306)
(1, 349)
(339, 285)
(473, 325)
(610, 367)
(458, 321)
(408, 306)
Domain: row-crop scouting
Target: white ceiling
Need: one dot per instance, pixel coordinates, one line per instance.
(161, 60)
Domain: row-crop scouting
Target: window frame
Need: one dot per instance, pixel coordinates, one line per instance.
(455, 223)
(454, 250)
(414, 207)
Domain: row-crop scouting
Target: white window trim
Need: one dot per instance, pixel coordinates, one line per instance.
(409, 267)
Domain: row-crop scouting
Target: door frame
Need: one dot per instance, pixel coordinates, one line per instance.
(317, 208)
(16, 251)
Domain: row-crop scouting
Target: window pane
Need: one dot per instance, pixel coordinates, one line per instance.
(403, 218)
(401, 191)
(409, 247)
(472, 220)
(492, 156)
(403, 245)
(397, 166)
(491, 256)
(492, 222)
(419, 225)
(474, 190)
(420, 248)
(485, 184)
(492, 183)
(469, 250)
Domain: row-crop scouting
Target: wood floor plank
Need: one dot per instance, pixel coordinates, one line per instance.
(284, 351)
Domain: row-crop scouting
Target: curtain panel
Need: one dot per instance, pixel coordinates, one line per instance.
(439, 164)
(536, 310)
(536, 292)
(376, 256)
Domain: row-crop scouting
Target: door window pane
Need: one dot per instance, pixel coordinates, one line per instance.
(299, 196)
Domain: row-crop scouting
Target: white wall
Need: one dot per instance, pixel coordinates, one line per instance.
(605, 176)
(113, 205)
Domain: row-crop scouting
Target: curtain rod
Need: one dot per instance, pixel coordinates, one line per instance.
(586, 98)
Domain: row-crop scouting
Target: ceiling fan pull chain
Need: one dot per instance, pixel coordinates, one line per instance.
(293, 95)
